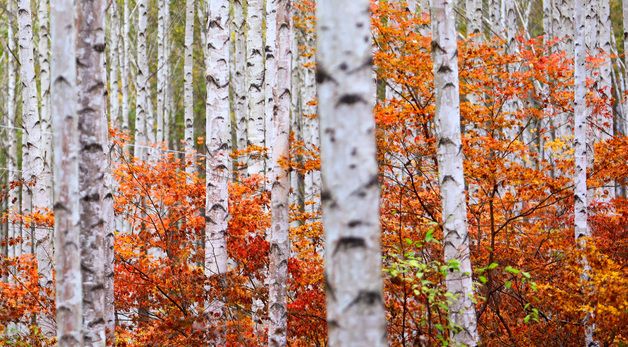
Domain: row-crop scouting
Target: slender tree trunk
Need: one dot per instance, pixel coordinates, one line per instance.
(188, 88)
(13, 175)
(474, 18)
(581, 117)
(66, 172)
(114, 36)
(270, 77)
(280, 204)
(238, 75)
(32, 161)
(450, 172)
(168, 107)
(141, 102)
(124, 65)
(92, 163)
(218, 143)
(255, 81)
(350, 197)
(161, 69)
(624, 126)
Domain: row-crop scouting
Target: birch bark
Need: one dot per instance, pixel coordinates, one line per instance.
(280, 178)
(66, 172)
(92, 160)
(624, 126)
(114, 34)
(350, 193)
(255, 81)
(270, 76)
(218, 163)
(238, 75)
(42, 197)
(450, 174)
(582, 114)
(124, 65)
(32, 160)
(141, 102)
(161, 69)
(188, 92)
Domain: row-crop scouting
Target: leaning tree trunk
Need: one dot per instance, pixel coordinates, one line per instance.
(280, 181)
(42, 198)
(66, 172)
(92, 161)
(218, 163)
(141, 102)
(350, 197)
(255, 82)
(450, 173)
(188, 88)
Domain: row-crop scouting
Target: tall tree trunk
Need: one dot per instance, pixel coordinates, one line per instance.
(141, 102)
(32, 161)
(161, 69)
(350, 196)
(280, 204)
(168, 102)
(582, 114)
(450, 173)
(238, 75)
(270, 76)
(255, 81)
(42, 199)
(624, 126)
(66, 172)
(92, 128)
(114, 37)
(124, 65)
(474, 18)
(218, 143)
(188, 88)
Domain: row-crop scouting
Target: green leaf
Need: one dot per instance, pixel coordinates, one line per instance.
(512, 270)
(429, 236)
(508, 284)
(491, 266)
(482, 279)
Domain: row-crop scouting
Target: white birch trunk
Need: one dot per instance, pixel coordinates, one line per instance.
(624, 126)
(450, 173)
(188, 91)
(280, 178)
(141, 102)
(92, 164)
(42, 197)
(168, 101)
(66, 172)
(114, 36)
(124, 65)
(270, 77)
(350, 197)
(238, 75)
(255, 82)
(218, 163)
(32, 161)
(161, 69)
(582, 114)
(474, 18)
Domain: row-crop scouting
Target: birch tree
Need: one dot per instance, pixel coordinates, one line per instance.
(141, 80)
(92, 160)
(66, 172)
(270, 73)
(114, 36)
(255, 81)
(218, 139)
(32, 160)
(581, 118)
(350, 193)
(124, 65)
(450, 174)
(42, 198)
(238, 75)
(188, 91)
(280, 178)
(474, 18)
(161, 68)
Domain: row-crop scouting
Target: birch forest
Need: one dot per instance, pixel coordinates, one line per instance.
(355, 173)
